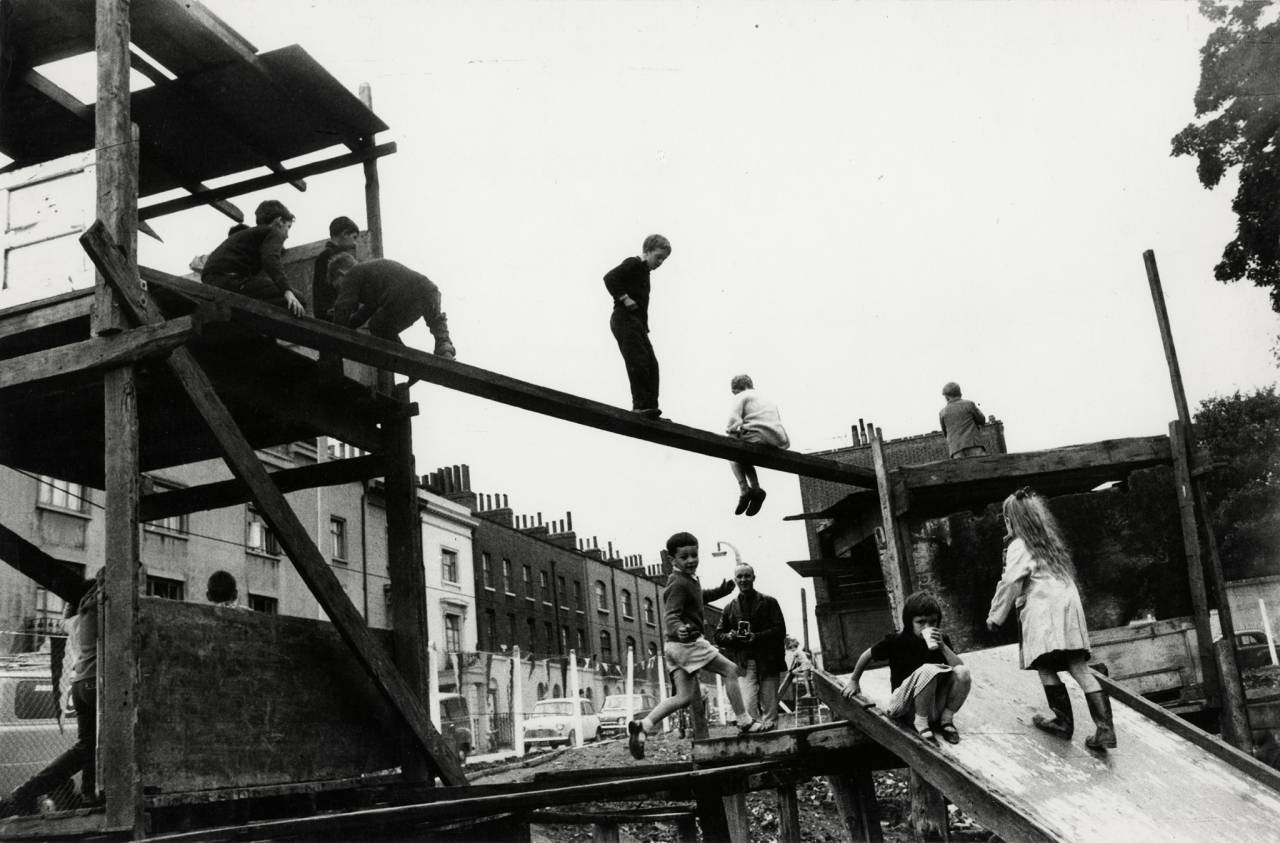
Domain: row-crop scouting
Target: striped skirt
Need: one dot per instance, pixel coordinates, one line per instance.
(903, 701)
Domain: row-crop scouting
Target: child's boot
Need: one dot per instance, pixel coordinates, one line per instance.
(1100, 709)
(1063, 723)
(440, 330)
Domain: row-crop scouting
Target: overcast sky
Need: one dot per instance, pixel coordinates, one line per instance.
(866, 200)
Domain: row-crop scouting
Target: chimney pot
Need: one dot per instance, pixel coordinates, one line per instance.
(880, 434)
(569, 518)
(466, 478)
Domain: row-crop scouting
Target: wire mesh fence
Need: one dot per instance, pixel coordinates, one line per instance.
(37, 722)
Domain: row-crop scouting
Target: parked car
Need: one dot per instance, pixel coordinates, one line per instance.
(1252, 649)
(455, 724)
(29, 733)
(552, 722)
(619, 708)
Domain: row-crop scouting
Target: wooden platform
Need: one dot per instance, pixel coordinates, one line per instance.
(1157, 785)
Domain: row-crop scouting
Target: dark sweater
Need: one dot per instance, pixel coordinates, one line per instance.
(250, 252)
(369, 285)
(630, 278)
(765, 616)
(905, 651)
(682, 602)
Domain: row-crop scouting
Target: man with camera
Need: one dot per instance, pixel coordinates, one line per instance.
(751, 634)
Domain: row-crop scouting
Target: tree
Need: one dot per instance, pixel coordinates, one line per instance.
(1238, 125)
(1242, 434)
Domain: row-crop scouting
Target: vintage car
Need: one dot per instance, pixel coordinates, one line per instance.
(619, 708)
(552, 722)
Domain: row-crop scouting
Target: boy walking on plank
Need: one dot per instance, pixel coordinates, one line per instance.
(628, 283)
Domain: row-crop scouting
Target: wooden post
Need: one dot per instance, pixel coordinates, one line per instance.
(1195, 570)
(855, 798)
(573, 692)
(517, 700)
(606, 832)
(737, 817)
(928, 815)
(894, 558)
(115, 141)
(405, 567)
(711, 815)
(687, 830)
(372, 187)
(788, 814)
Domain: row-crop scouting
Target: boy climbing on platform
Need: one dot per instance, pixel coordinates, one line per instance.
(753, 418)
(928, 679)
(248, 262)
(1039, 578)
(390, 297)
(628, 283)
(687, 649)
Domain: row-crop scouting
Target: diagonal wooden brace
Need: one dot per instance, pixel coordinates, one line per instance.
(299, 547)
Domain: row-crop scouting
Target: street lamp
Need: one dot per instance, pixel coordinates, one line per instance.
(737, 557)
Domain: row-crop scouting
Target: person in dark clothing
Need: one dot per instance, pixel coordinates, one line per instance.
(249, 262)
(81, 756)
(752, 633)
(390, 297)
(961, 422)
(628, 283)
(343, 232)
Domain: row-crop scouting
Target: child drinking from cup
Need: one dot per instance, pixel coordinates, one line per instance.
(929, 681)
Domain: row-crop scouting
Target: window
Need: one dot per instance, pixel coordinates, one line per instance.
(491, 628)
(548, 636)
(582, 641)
(338, 538)
(653, 649)
(577, 595)
(166, 588)
(602, 597)
(542, 687)
(631, 647)
(628, 610)
(533, 635)
(526, 575)
(449, 566)
(452, 633)
(258, 536)
(606, 647)
(174, 524)
(564, 639)
(508, 585)
(648, 611)
(512, 640)
(563, 593)
(544, 586)
(264, 604)
(59, 494)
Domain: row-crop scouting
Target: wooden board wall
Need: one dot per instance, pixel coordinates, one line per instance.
(234, 698)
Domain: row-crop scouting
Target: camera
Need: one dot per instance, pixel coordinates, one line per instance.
(744, 627)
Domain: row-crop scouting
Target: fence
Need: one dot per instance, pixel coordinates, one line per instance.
(37, 723)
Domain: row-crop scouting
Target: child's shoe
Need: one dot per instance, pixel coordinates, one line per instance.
(1100, 709)
(635, 739)
(757, 500)
(744, 500)
(1063, 723)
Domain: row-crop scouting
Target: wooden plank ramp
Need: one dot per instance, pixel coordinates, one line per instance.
(1160, 784)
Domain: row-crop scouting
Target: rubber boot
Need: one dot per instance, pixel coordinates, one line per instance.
(1063, 723)
(440, 330)
(1100, 709)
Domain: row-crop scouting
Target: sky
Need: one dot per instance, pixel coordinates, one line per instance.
(866, 200)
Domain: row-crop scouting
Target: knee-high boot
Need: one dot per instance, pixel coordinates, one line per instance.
(1100, 709)
(440, 330)
(1063, 723)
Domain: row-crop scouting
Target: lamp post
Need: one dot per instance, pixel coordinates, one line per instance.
(719, 551)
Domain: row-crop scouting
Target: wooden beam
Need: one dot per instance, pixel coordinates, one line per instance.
(395, 357)
(404, 565)
(32, 316)
(855, 797)
(99, 353)
(1241, 760)
(1124, 454)
(62, 578)
(308, 560)
(158, 505)
(895, 561)
(289, 401)
(788, 814)
(372, 185)
(822, 567)
(991, 810)
(182, 203)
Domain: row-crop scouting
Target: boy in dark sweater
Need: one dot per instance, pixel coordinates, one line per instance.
(628, 284)
(343, 232)
(390, 297)
(687, 650)
(249, 262)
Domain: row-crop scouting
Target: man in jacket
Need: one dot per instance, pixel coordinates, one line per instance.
(752, 633)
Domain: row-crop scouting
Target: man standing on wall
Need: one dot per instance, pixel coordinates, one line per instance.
(961, 422)
(751, 633)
